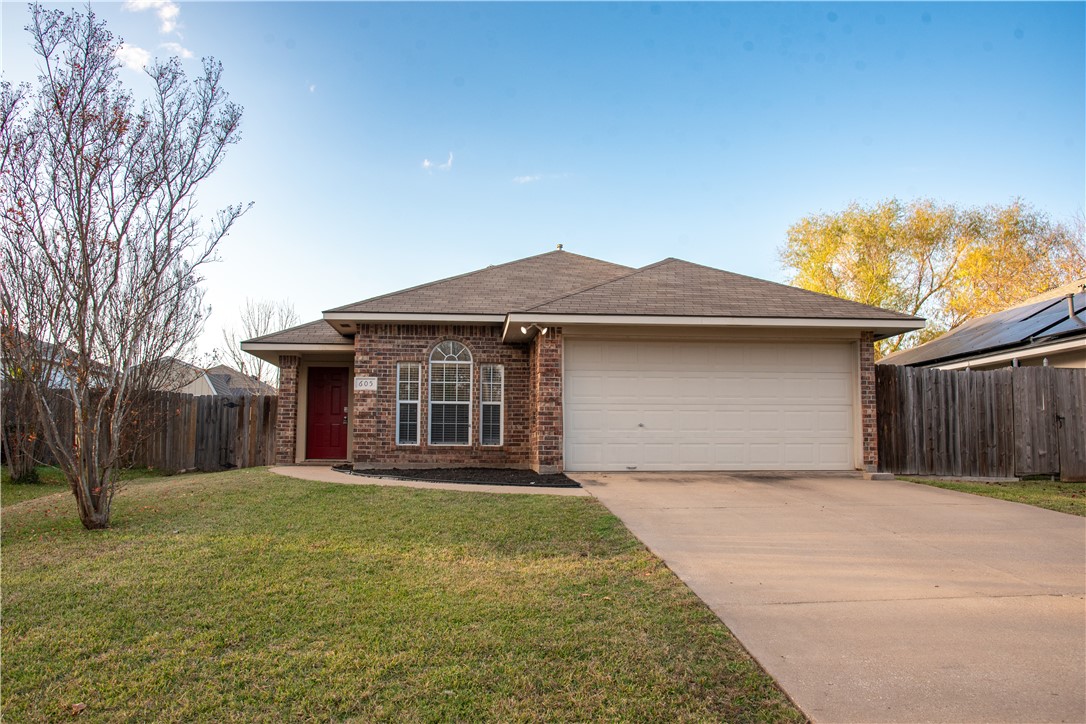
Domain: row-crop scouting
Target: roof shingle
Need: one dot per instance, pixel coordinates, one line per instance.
(496, 289)
(316, 332)
(674, 287)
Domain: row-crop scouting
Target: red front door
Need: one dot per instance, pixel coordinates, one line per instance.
(326, 418)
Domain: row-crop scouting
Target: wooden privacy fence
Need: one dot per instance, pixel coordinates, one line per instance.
(174, 432)
(185, 432)
(1010, 422)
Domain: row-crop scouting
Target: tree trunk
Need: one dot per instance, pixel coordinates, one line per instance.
(94, 508)
(91, 484)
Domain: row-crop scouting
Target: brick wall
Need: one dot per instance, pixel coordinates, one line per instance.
(868, 416)
(286, 423)
(545, 431)
(380, 347)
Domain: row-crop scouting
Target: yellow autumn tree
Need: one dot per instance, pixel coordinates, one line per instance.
(938, 261)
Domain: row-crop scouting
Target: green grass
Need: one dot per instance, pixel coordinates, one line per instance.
(52, 481)
(1053, 495)
(244, 596)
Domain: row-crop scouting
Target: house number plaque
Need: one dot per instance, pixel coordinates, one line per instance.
(365, 384)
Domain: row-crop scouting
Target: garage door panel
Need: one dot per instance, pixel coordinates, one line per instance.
(801, 454)
(832, 388)
(801, 421)
(835, 454)
(696, 454)
(727, 387)
(832, 422)
(764, 421)
(730, 455)
(730, 420)
(663, 406)
(693, 421)
(765, 453)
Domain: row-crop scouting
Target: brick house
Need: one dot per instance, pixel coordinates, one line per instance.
(563, 362)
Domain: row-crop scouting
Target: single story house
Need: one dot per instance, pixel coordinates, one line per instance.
(562, 362)
(1049, 329)
(174, 375)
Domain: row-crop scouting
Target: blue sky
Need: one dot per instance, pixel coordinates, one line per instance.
(387, 145)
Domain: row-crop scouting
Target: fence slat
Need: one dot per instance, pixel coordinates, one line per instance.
(993, 423)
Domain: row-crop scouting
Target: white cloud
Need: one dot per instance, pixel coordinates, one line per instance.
(167, 11)
(133, 57)
(176, 49)
(312, 88)
(429, 165)
(532, 178)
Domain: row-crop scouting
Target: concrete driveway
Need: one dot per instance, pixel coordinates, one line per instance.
(878, 601)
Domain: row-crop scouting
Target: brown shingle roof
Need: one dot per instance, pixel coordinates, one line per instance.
(318, 332)
(496, 289)
(674, 287)
(232, 383)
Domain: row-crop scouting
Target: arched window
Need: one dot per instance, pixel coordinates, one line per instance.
(450, 394)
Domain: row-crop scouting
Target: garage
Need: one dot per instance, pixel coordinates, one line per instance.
(684, 405)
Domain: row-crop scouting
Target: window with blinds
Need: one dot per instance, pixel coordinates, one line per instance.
(407, 403)
(450, 394)
(491, 393)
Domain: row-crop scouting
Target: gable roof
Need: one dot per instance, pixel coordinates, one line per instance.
(678, 288)
(561, 284)
(230, 382)
(1041, 320)
(496, 290)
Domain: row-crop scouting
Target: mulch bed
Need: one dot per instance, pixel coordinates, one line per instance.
(471, 476)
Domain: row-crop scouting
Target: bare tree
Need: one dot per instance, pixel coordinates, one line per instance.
(257, 319)
(101, 254)
(20, 438)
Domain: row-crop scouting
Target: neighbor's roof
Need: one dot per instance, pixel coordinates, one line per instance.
(497, 289)
(230, 382)
(678, 288)
(1020, 327)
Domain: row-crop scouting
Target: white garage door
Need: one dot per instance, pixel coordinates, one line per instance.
(708, 406)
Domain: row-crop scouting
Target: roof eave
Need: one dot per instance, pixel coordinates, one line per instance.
(1037, 348)
(882, 328)
(270, 351)
(337, 319)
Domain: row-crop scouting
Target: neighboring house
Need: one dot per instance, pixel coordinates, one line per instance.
(229, 382)
(174, 375)
(559, 361)
(1049, 329)
(56, 362)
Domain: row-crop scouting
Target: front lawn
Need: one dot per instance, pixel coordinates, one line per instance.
(248, 596)
(1053, 495)
(51, 481)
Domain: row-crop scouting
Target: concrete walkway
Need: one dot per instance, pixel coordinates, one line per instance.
(878, 601)
(325, 474)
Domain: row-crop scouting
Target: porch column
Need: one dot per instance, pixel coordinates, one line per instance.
(868, 414)
(286, 420)
(545, 440)
(364, 439)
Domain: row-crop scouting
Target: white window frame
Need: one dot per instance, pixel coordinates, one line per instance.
(401, 401)
(467, 402)
(500, 404)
